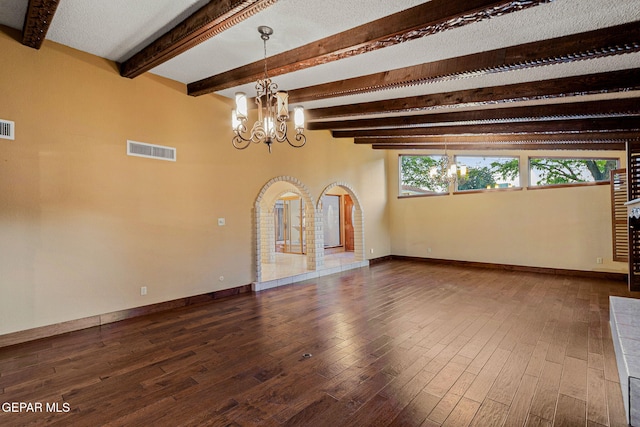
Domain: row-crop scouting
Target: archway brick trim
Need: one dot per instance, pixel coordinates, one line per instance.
(264, 226)
(358, 220)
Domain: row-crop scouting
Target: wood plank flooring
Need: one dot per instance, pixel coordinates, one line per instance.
(398, 344)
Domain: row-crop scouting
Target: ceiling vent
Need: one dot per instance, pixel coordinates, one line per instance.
(7, 129)
(150, 151)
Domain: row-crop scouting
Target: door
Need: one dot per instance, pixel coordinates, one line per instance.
(349, 209)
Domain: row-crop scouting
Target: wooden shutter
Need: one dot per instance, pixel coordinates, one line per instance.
(633, 192)
(619, 214)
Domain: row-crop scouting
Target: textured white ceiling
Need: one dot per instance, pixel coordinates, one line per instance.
(12, 13)
(116, 29)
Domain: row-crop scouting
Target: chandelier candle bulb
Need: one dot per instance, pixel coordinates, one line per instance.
(234, 119)
(241, 106)
(298, 118)
(268, 125)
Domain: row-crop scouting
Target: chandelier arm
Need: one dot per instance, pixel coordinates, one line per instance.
(258, 132)
(281, 131)
(256, 136)
(239, 142)
(300, 138)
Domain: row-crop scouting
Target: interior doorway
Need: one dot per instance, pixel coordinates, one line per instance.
(285, 235)
(290, 227)
(287, 218)
(340, 197)
(337, 218)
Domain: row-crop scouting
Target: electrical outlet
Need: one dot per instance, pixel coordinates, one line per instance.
(371, 250)
(428, 250)
(143, 290)
(599, 260)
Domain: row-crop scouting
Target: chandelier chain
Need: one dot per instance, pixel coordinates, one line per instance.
(264, 41)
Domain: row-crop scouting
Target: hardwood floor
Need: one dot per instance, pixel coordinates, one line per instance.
(398, 344)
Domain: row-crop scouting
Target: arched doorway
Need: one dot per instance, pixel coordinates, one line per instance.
(271, 263)
(290, 224)
(342, 225)
(277, 268)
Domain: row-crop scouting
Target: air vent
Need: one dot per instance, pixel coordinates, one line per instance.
(7, 129)
(140, 149)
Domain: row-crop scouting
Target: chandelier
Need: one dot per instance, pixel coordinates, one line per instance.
(447, 171)
(273, 112)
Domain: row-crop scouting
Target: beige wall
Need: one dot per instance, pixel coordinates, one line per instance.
(83, 226)
(566, 228)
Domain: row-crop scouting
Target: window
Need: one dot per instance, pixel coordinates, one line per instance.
(417, 176)
(545, 171)
(427, 174)
(484, 172)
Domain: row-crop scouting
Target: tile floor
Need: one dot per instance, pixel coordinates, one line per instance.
(290, 268)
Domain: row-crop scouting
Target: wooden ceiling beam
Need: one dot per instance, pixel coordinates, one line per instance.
(617, 146)
(590, 137)
(37, 22)
(613, 81)
(211, 19)
(575, 47)
(425, 19)
(609, 107)
(606, 124)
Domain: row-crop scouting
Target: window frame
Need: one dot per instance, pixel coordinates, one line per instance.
(531, 186)
(408, 196)
(456, 191)
(523, 178)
